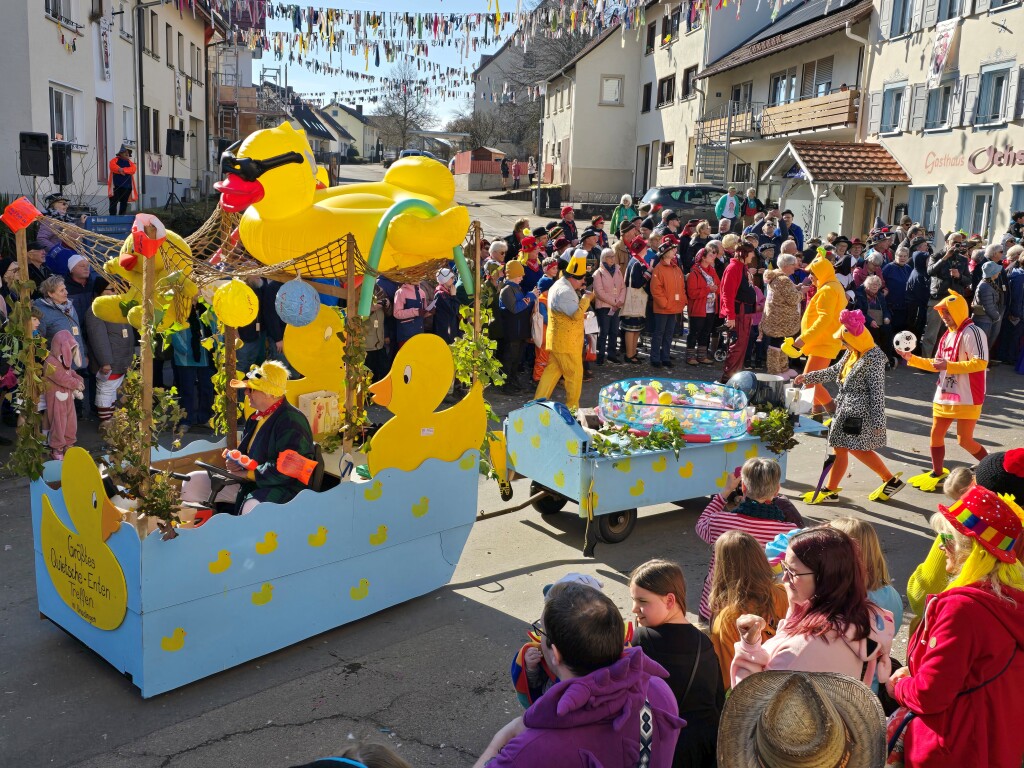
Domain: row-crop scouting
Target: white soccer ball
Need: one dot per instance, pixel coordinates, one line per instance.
(904, 341)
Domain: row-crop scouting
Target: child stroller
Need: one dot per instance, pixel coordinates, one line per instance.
(726, 338)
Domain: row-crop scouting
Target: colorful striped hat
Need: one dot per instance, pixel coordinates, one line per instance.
(993, 520)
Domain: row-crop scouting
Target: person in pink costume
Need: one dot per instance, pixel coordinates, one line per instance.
(63, 385)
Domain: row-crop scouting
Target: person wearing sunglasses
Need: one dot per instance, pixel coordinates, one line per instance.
(830, 626)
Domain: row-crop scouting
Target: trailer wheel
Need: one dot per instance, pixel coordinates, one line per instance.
(616, 526)
(550, 504)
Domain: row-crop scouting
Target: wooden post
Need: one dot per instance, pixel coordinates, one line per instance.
(231, 408)
(350, 308)
(21, 244)
(148, 286)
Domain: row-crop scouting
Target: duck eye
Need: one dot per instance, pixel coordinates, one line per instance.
(94, 504)
(327, 333)
(407, 376)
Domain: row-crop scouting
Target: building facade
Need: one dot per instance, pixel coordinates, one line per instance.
(364, 132)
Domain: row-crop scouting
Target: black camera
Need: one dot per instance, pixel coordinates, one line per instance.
(588, 280)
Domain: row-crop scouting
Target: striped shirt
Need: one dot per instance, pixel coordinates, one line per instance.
(717, 520)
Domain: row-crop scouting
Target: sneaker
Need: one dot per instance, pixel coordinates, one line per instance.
(888, 489)
(824, 496)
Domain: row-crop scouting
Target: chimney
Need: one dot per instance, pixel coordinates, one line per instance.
(359, 109)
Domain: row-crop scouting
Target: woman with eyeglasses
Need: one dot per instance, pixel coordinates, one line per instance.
(830, 626)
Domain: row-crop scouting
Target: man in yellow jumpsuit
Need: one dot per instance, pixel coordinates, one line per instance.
(564, 339)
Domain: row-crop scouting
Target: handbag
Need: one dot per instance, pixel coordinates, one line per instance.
(636, 303)
(590, 324)
(852, 425)
(537, 326)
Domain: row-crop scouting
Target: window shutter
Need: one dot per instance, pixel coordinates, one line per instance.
(1019, 112)
(931, 13)
(905, 109)
(875, 112)
(823, 72)
(807, 81)
(918, 107)
(982, 6)
(1010, 105)
(885, 19)
(918, 15)
(956, 103)
(970, 98)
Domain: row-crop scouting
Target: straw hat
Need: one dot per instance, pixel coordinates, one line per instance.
(801, 720)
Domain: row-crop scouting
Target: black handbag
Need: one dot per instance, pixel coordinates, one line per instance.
(852, 425)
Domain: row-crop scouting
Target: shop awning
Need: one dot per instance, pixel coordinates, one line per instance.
(830, 162)
(811, 20)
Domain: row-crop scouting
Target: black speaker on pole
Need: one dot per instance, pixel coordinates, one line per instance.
(175, 142)
(35, 154)
(62, 163)
(222, 147)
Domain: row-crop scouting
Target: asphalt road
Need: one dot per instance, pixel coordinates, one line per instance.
(429, 677)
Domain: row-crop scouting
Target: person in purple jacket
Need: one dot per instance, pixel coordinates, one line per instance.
(610, 708)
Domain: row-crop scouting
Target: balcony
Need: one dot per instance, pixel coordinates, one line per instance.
(836, 110)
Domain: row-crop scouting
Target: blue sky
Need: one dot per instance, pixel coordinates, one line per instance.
(305, 81)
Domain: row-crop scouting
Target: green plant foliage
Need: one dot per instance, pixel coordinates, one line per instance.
(775, 429)
(616, 440)
(127, 444)
(358, 379)
(475, 356)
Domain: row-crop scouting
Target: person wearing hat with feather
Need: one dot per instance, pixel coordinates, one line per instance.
(960, 693)
(961, 360)
(567, 310)
(121, 182)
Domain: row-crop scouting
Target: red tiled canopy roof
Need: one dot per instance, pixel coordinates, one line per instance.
(849, 163)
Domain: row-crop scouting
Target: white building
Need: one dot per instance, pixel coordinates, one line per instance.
(358, 125)
(74, 76)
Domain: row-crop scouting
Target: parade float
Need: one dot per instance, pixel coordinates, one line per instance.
(167, 600)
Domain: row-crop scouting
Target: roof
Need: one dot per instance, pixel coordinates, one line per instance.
(338, 129)
(838, 163)
(587, 49)
(308, 119)
(808, 21)
(361, 118)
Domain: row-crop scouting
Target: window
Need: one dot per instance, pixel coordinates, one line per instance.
(645, 101)
(741, 173)
(692, 16)
(670, 27)
(667, 156)
(902, 14)
(59, 10)
(974, 209)
(128, 125)
(924, 207)
(102, 140)
(652, 37)
(741, 94)
(782, 87)
(948, 9)
(1000, 3)
(168, 41)
(892, 108)
(62, 115)
(688, 83)
(937, 111)
(611, 91)
(181, 53)
(666, 90)
(568, 94)
(154, 27)
(124, 11)
(1017, 198)
(155, 146)
(817, 78)
(991, 96)
(197, 62)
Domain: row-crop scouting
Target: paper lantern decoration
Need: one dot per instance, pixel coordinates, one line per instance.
(297, 303)
(235, 304)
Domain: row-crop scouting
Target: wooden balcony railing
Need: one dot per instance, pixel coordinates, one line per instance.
(832, 111)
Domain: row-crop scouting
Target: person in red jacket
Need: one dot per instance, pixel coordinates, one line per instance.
(738, 304)
(668, 289)
(702, 286)
(962, 688)
(121, 182)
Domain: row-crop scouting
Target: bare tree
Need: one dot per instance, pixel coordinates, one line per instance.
(481, 126)
(405, 108)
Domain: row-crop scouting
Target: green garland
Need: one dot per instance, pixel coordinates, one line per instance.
(358, 379)
(775, 429)
(617, 440)
(474, 356)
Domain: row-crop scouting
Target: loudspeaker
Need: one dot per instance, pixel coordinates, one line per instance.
(62, 163)
(35, 154)
(222, 147)
(175, 142)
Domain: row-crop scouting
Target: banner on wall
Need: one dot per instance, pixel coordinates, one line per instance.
(105, 47)
(178, 96)
(943, 51)
(188, 93)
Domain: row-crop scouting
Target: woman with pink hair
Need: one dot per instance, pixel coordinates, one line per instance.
(858, 427)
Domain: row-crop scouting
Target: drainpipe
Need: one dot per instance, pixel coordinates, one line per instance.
(862, 77)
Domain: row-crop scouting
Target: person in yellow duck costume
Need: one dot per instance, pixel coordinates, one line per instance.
(85, 573)
(174, 289)
(564, 339)
(859, 428)
(961, 360)
(417, 383)
(272, 177)
(819, 325)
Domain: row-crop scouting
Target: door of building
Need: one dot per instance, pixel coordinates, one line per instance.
(642, 177)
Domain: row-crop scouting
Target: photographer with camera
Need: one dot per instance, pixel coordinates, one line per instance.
(567, 310)
(948, 270)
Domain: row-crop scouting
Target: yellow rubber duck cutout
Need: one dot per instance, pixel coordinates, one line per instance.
(268, 545)
(751, 452)
(686, 471)
(535, 441)
(286, 216)
(560, 479)
(175, 642)
(572, 446)
(421, 507)
(360, 592)
(730, 447)
(545, 417)
(378, 538)
(417, 383)
(374, 492)
(622, 465)
(637, 489)
(264, 596)
(315, 351)
(659, 464)
(85, 573)
(319, 538)
(222, 563)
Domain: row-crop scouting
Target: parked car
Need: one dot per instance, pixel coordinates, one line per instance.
(412, 153)
(689, 201)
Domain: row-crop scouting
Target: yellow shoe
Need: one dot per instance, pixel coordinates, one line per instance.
(824, 496)
(927, 481)
(888, 489)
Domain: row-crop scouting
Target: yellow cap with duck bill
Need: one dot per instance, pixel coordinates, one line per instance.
(271, 378)
(957, 307)
(577, 267)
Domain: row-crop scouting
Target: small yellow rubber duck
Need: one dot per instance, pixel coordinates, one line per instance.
(319, 538)
(360, 592)
(374, 491)
(264, 596)
(268, 545)
(175, 642)
(378, 538)
(420, 509)
(222, 563)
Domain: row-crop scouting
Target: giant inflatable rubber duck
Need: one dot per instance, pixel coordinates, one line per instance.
(271, 176)
(417, 383)
(85, 573)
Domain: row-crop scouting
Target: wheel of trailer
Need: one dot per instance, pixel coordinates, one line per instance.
(547, 505)
(616, 526)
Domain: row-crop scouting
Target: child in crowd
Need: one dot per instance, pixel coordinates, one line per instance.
(445, 306)
(658, 591)
(742, 582)
(63, 386)
(113, 347)
(410, 312)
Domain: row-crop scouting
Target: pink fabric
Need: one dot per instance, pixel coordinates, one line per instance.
(609, 290)
(853, 321)
(747, 659)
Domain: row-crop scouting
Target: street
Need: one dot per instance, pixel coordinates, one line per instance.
(430, 677)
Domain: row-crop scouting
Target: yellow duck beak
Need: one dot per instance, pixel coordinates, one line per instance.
(382, 391)
(110, 519)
